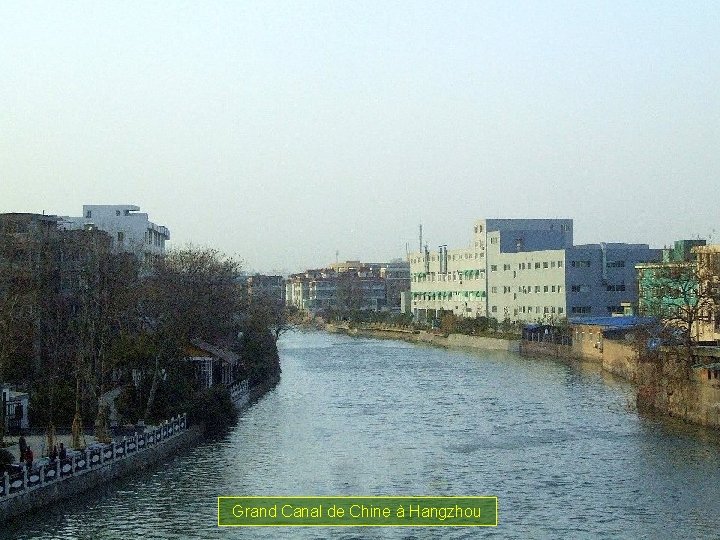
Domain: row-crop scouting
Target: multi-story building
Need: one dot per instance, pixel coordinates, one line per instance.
(684, 289)
(708, 269)
(269, 287)
(661, 283)
(349, 285)
(525, 270)
(131, 231)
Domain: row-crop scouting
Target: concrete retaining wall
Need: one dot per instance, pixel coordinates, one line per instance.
(535, 348)
(481, 342)
(460, 341)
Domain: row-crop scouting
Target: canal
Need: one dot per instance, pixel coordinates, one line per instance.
(558, 443)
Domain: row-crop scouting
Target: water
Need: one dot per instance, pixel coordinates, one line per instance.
(556, 442)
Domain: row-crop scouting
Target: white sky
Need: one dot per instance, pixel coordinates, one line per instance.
(284, 131)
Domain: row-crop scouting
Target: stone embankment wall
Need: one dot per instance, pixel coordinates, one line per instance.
(460, 341)
(667, 385)
(617, 357)
(672, 387)
(96, 466)
(534, 348)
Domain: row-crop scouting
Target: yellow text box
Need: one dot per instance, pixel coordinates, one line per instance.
(361, 511)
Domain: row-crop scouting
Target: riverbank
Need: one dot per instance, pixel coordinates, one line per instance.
(456, 341)
(670, 384)
(53, 482)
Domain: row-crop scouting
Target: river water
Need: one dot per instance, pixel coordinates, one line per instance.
(556, 442)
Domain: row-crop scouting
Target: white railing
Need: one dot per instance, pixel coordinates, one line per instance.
(240, 392)
(95, 456)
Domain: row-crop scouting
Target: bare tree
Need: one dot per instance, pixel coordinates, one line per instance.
(191, 294)
(681, 296)
(272, 312)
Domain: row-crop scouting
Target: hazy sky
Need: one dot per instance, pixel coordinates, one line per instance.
(284, 131)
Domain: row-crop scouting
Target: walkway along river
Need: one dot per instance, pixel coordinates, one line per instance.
(555, 441)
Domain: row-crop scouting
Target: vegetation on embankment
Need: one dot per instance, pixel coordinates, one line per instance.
(447, 324)
(439, 339)
(71, 329)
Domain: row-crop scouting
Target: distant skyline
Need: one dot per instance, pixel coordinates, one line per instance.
(282, 132)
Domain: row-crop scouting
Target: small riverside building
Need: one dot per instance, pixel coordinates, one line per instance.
(589, 333)
(214, 365)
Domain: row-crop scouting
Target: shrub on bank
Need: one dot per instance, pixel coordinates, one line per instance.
(214, 409)
(6, 458)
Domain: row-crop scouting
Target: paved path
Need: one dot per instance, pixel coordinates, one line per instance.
(37, 444)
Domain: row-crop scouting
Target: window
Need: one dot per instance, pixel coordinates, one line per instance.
(560, 310)
(121, 237)
(545, 264)
(581, 310)
(615, 264)
(580, 264)
(560, 264)
(88, 214)
(493, 289)
(559, 288)
(616, 287)
(580, 288)
(117, 212)
(493, 267)
(552, 264)
(537, 265)
(494, 240)
(494, 309)
(537, 288)
(553, 288)
(506, 267)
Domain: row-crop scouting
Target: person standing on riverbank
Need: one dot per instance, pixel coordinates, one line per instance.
(29, 457)
(23, 447)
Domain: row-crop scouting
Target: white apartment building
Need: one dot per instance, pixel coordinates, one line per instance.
(349, 285)
(131, 230)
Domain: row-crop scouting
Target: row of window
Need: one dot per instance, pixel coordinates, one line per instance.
(537, 309)
(529, 266)
(448, 295)
(454, 257)
(529, 289)
(612, 287)
(449, 276)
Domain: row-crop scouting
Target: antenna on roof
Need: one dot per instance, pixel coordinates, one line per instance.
(421, 244)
